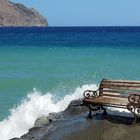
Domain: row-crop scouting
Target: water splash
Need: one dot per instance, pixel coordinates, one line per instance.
(34, 106)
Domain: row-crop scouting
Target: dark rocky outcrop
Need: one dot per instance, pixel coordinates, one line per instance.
(72, 124)
(45, 125)
(14, 14)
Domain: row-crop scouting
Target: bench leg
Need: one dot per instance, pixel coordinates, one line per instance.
(135, 119)
(104, 113)
(92, 107)
(90, 114)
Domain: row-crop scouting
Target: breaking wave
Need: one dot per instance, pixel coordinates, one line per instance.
(34, 106)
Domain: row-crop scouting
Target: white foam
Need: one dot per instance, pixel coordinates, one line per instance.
(35, 105)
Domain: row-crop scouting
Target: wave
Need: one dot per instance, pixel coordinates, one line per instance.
(35, 105)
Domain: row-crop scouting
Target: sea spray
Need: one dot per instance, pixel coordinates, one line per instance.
(34, 106)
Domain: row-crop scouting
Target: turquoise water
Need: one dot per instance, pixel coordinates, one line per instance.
(60, 69)
(59, 61)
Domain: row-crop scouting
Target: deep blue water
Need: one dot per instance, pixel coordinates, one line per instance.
(70, 36)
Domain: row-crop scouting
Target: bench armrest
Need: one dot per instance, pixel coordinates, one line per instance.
(91, 93)
(134, 98)
(134, 104)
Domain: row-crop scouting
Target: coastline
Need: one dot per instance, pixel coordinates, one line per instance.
(73, 124)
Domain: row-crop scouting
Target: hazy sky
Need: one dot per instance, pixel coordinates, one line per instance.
(88, 12)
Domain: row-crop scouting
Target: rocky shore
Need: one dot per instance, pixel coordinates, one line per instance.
(15, 14)
(73, 124)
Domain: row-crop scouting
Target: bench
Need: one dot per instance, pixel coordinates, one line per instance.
(114, 93)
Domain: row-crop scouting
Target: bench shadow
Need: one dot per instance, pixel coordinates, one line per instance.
(116, 119)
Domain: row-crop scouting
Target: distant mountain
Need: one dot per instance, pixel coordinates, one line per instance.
(14, 14)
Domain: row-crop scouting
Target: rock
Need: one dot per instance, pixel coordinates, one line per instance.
(40, 122)
(45, 125)
(78, 102)
(14, 14)
(76, 107)
(72, 124)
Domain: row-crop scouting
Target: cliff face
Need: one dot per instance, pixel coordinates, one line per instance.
(13, 14)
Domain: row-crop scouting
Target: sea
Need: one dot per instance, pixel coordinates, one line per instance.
(43, 68)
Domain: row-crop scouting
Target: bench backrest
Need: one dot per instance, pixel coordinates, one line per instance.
(119, 87)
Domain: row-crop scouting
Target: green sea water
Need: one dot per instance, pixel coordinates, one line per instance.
(60, 70)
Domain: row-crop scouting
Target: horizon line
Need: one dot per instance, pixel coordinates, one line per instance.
(72, 26)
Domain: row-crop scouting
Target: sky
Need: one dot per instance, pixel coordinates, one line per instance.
(87, 12)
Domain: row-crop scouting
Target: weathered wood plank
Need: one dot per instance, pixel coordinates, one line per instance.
(121, 84)
(121, 87)
(121, 81)
(113, 95)
(128, 92)
(107, 100)
(111, 91)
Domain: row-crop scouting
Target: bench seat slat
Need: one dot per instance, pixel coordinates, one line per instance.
(111, 91)
(107, 100)
(119, 92)
(114, 95)
(121, 81)
(120, 87)
(120, 84)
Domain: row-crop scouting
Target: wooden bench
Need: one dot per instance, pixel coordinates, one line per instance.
(114, 93)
